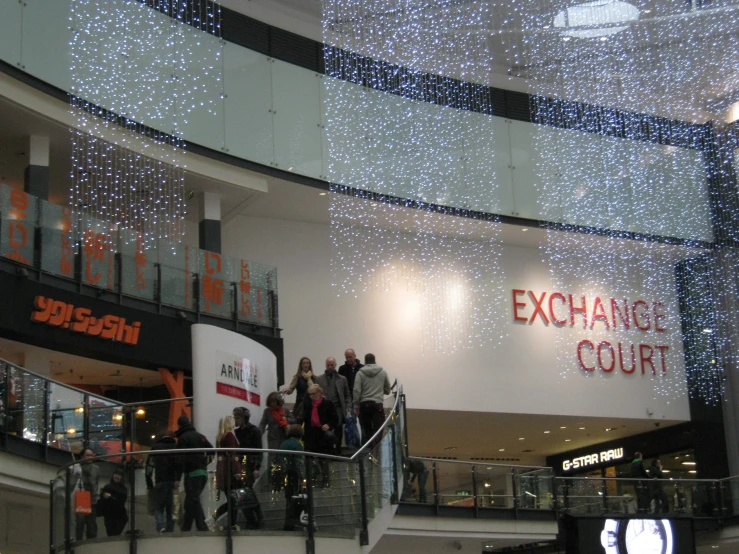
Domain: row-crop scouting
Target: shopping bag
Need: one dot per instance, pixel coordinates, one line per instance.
(82, 502)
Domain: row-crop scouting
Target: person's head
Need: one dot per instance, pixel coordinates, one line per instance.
(657, 462)
(330, 364)
(241, 416)
(87, 453)
(305, 365)
(637, 455)
(295, 432)
(315, 392)
(274, 400)
(369, 358)
(117, 476)
(183, 421)
(350, 356)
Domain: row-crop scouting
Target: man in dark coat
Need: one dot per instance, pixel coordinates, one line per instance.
(638, 471)
(162, 480)
(336, 389)
(195, 467)
(658, 492)
(350, 368)
(249, 436)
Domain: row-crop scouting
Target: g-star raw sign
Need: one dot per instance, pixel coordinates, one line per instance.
(609, 314)
(79, 320)
(593, 459)
(237, 377)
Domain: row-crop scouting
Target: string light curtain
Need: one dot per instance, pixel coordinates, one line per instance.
(416, 142)
(596, 67)
(139, 66)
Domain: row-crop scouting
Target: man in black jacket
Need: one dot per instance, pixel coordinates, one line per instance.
(638, 471)
(162, 480)
(350, 368)
(194, 465)
(248, 436)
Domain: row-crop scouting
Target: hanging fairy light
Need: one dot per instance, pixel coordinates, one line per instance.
(418, 142)
(139, 66)
(595, 68)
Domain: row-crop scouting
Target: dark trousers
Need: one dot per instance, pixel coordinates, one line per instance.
(293, 484)
(162, 495)
(643, 497)
(660, 502)
(193, 508)
(371, 418)
(82, 521)
(114, 525)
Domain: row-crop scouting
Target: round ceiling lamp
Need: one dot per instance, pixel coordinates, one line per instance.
(595, 19)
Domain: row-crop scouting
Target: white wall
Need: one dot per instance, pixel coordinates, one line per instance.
(534, 369)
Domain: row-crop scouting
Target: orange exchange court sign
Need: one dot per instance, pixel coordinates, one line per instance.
(80, 320)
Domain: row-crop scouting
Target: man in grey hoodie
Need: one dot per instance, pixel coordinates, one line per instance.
(370, 386)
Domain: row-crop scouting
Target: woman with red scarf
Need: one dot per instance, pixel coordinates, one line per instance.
(321, 420)
(274, 422)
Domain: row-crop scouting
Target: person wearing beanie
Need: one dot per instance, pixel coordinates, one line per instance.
(194, 466)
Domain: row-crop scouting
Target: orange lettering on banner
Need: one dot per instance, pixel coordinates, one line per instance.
(94, 246)
(65, 260)
(56, 313)
(140, 261)
(18, 233)
(175, 384)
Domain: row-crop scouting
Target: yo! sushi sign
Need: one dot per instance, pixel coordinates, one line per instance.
(237, 377)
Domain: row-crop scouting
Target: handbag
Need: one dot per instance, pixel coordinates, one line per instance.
(82, 500)
(330, 436)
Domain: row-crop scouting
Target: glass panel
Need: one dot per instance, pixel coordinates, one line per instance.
(216, 289)
(3, 396)
(17, 225)
(487, 162)
(98, 253)
(57, 239)
(46, 36)
(535, 489)
(297, 119)
(66, 418)
(26, 404)
(138, 272)
(106, 426)
(178, 265)
(455, 484)
(200, 90)
(337, 510)
(152, 422)
(59, 502)
(248, 104)
(494, 486)
(254, 283)
(10, 32)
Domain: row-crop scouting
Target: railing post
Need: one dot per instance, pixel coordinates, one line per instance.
(436, 487)
(229, 505)
(405, 426)
(555, 498)
(474, 491)
(86, 421)
(52, 544)
(131, 464)
(516, 500)
(310, 544)
(47, 401)
(396, 493)
(364, 532)
(67, 515)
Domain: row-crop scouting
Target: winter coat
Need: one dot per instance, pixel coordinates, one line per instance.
(371, 384)
(315, 438)
(344, 403)
(275, 433)
(188, 437)
(162, 468)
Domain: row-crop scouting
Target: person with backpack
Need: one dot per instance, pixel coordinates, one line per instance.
(162, 482)
(194, 466)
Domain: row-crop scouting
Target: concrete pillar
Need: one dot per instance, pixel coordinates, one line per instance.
(36, 177)
(210, 221)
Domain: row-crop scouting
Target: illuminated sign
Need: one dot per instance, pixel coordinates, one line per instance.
(593, 459)
(80, 320)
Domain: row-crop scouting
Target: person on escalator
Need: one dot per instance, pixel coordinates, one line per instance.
(112, 504)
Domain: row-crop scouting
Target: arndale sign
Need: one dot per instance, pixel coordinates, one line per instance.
(593, 459)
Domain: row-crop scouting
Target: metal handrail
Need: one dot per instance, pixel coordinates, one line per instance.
(442, 460)
(365, 449)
